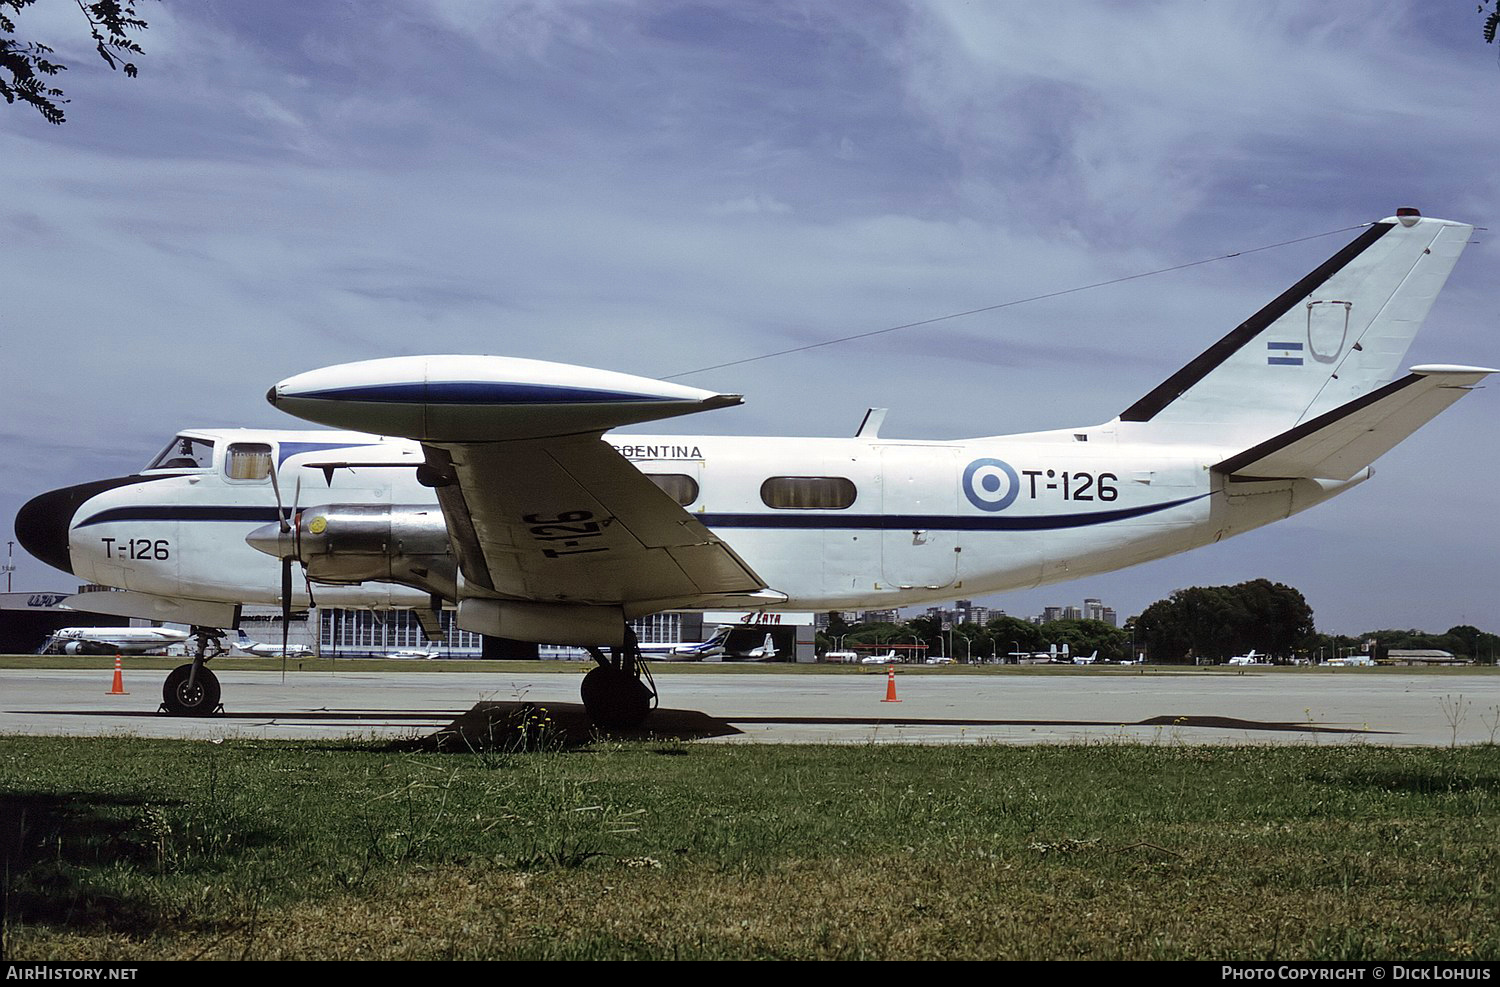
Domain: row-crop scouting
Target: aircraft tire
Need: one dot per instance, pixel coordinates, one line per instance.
(200, 700)
(615, 700)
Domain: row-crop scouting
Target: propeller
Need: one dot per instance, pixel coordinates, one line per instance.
(289, 523)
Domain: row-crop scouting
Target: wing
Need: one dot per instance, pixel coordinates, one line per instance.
(538, 506)
(570, 520)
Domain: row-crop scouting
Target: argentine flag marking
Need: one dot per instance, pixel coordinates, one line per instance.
(1284, 354)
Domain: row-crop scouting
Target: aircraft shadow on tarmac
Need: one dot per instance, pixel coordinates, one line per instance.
(489, 726)
(519, 725)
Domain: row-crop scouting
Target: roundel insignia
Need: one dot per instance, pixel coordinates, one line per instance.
(319, 525)
(990, 484)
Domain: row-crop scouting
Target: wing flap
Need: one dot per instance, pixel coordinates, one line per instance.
(1339, 443)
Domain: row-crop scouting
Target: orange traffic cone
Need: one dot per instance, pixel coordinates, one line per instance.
(890, 685)
(119, 687)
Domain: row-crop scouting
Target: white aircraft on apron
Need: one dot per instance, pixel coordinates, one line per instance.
(492, 485)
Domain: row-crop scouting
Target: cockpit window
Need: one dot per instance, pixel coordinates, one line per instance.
(248, 461)
(185, 453)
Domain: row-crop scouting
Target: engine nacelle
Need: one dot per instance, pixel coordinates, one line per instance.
(356, 543)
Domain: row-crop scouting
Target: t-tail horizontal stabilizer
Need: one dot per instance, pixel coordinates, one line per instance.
(1338, 444)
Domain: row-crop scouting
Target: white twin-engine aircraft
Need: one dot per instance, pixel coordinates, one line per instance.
(491, 484)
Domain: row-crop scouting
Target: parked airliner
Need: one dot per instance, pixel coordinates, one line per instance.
(680, 651)
(261, 649)
(112, 640)
(495, 485)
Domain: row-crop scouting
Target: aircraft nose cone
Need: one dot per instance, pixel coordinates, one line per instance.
(42, 526)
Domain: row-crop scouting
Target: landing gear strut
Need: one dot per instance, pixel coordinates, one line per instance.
(191, 690)
(620, 691)
(208, 642)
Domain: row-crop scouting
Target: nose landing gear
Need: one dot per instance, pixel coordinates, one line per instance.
(191, 690)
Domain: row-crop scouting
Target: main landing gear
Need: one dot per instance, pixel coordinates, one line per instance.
(619, 692)
(191, 690)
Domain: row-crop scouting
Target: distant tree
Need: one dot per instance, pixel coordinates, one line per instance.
(1220, 621)
(1084, 637)
(929, 631)
(972, 642)
(837, 625)
(1332, 645)
(26, 65)
(1013, 634)
(1471, 640)
(877, 635)
(1465, 641)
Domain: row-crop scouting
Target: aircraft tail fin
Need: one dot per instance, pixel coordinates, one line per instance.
(1339, 443)
(1335, 337)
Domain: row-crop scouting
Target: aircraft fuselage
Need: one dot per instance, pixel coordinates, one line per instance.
(907, 522)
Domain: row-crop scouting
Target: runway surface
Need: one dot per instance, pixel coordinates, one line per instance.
(1146, 706)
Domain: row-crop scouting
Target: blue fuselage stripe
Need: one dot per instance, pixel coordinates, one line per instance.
(177, 512)
(935, 522)
(474, 392)
(803, 521)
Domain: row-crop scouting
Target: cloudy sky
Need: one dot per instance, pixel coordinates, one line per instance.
(658, 187)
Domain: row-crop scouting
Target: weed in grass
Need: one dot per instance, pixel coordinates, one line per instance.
(1454, 711)
(419, 820)
(1492, 721)
(528, 729)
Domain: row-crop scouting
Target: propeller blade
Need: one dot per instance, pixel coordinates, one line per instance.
(286, 610)
(281, 518)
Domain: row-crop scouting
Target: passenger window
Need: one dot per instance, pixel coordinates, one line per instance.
(805, 493)
(248, 461)
(679, 486)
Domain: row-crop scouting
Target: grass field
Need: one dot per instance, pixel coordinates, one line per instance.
(137, 849)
